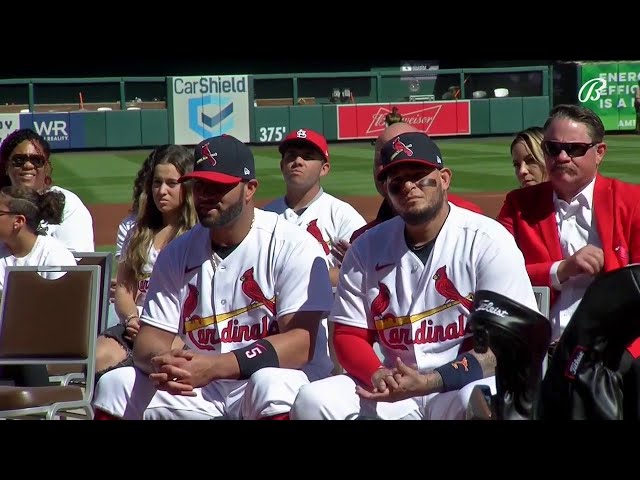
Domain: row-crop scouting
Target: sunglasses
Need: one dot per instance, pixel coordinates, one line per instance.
(19, 159)
(395, 186)
(571, 149)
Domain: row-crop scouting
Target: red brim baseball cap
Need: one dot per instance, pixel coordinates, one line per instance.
(306, 136)
(213, 177)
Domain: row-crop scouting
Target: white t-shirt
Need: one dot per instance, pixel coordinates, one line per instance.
(76, 229)
(125, 225)
(219, 305)
(47, 251)
(147, 268)
(327, 218)
(420, 311)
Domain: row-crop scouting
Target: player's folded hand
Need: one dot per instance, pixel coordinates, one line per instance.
(409, 383)
(171, 373)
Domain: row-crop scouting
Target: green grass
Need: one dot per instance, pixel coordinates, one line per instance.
(478, 164)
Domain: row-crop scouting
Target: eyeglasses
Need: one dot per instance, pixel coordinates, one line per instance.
(571, 149)
(7, 212)
(395, 186)
(19, 159)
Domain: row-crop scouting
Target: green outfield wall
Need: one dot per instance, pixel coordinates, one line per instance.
(112, 113)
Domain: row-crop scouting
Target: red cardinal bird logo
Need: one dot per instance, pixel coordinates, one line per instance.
(252, 290)
(314, 230)
(188, 307)
(378, 306)
(448, 290)
(399, 146)
(208, 155)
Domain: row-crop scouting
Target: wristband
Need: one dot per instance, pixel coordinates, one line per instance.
(258, 355)
(462, 371)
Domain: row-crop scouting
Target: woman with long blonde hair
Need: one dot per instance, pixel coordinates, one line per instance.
(165, 211)
(528, 158)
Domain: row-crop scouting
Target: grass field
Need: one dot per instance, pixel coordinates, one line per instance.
(478, 164)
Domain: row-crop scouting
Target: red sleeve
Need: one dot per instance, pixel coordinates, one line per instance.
(538, 272)
(354, 349)
(507, 212)
(464, 203)
(634, 241)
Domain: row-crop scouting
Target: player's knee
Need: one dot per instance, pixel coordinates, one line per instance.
(271, 391)
(114, 387)
(308, 404)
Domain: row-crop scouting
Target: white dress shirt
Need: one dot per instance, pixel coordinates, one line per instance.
(576, 229)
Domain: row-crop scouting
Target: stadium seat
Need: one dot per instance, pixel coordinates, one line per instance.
(67, 374)
(49, 322)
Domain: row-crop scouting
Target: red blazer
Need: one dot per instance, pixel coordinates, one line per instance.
(528, 213)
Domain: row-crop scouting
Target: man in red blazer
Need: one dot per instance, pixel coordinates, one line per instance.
(386, 212)
(579, 223)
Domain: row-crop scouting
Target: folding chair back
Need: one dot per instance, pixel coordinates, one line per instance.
(105, 261)
(53, 322)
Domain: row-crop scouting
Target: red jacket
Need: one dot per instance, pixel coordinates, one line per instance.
(385, 213)
(529, 214)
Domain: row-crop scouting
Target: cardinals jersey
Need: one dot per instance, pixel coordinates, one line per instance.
(327, 219)
(420, 311)
(219, 305)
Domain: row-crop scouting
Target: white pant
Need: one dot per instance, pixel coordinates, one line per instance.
(129, 394)
(335, 398)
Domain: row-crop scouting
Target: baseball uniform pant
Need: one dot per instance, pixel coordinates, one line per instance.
(128, 393)
(335, 398)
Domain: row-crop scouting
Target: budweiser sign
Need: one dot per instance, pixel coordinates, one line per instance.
(361, 121)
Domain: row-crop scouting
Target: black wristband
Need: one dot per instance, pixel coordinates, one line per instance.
(462, 371)
(260, 354)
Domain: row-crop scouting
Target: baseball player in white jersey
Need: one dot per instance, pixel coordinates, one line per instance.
(408, 284)
(246, 292)
(305, 160)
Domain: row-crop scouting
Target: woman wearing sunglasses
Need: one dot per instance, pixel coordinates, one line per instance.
(22, 210)
(24, 160)
(528, 158)
(580, 223)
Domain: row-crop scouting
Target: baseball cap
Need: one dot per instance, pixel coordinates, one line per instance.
(304, 135)
(409, 148)
(222, 159)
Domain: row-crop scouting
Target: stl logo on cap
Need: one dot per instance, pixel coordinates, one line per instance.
(208, 155)
(301, 133)
(400, 147)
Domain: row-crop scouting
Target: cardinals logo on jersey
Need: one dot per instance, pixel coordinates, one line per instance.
(203, 331)
(445, 287)
(252, 290)
(313, 229)
(396, 333)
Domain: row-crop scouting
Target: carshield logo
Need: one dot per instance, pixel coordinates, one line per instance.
(211, 115)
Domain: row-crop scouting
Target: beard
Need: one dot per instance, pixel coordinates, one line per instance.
(226, 216)
(428, 213)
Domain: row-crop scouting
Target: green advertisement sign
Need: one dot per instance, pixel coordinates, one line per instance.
(609, 90)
